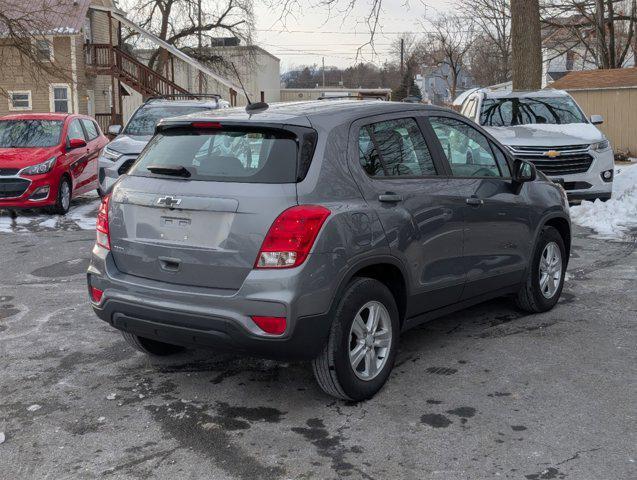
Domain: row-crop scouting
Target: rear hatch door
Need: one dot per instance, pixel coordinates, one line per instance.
(197, 204)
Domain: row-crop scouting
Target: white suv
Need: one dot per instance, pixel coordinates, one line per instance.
(548, 128)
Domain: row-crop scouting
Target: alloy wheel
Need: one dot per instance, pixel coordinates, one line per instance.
(550, 269)
(65, 195)
(370, 340)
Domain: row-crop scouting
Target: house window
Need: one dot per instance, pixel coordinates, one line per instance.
(44, 49)
(60, 98)
(20, 100)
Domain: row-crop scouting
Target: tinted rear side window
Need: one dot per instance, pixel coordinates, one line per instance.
(91, 129)
(266, 156)
(394, 148)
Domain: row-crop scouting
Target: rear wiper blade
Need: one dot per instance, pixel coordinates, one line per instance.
(174, 170)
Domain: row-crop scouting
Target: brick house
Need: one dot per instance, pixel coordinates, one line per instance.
(92, 73)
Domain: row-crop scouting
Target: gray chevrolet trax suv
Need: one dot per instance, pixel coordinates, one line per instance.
(321, 231)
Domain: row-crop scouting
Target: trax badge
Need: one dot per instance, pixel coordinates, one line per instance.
(169, 202)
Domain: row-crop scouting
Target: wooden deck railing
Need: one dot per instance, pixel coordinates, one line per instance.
(106, 59)
(105, 120)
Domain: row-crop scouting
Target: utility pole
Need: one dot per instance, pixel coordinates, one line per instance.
(402, 56)
(200, 45)
(323, 72)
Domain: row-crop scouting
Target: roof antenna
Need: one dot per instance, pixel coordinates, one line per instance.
(257, 107)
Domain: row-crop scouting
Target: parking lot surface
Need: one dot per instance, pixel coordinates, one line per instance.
(485, 393)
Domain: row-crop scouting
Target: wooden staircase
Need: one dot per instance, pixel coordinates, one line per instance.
(105, 59)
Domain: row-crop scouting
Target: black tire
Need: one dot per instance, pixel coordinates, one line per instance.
(332, 368)
(61, 207)
(151, 347)
(530, 297)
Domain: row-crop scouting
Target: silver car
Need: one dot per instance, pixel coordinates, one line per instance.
(550, 130)
(321, 231)
(117, 157)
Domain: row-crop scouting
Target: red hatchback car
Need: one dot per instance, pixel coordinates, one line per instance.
(46, 159)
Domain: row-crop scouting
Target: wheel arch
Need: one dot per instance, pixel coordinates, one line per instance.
(387, 270)
(563, 226)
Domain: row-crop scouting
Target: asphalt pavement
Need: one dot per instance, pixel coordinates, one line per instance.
(485, 393)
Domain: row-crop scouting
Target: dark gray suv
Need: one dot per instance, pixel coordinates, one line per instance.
(321, 231)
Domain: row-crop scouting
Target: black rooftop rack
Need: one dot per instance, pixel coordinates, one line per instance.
(185, 96)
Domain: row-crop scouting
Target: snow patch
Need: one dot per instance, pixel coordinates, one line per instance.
(2, 438)
(614, 218)
(81, 216)
(111, 396)
(34, 408)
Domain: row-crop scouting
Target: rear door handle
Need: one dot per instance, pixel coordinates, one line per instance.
(390, 197)
(475, 201)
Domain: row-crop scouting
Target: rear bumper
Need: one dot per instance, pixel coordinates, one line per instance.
(219, 333)
(205, 317)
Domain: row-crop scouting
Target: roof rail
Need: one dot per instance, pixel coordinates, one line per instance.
(185, 96)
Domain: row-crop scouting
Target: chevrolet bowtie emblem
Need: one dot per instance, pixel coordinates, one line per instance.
(169, 202)
(552, 154)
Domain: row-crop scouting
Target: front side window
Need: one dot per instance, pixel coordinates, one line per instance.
(467, 150)
(394, 148)
(60, 99)
(510, 111)
(20, 100)
(29, 133)
(268, 156)
(75, 130)
(146, 118)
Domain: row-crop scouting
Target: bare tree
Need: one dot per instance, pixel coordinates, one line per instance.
(187, 24)
(493, 26)
(24, 27)
(449, 43)
(604, 30)
(335, 8)
(526, 43)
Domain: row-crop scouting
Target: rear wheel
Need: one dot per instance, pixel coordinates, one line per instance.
(63, 200)
(545, 280)
(361, 349)
(150, 347)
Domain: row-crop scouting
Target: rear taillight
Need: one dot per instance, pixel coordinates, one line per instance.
(103, 239)
(291, 237)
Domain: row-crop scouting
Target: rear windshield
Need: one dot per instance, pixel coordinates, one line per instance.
(266, 156)
(504, 112)
(30, 133)
(145, 119)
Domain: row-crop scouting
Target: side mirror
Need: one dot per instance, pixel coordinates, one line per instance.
(114, 130)
(523, 171)
(597, 119)
(77, 143)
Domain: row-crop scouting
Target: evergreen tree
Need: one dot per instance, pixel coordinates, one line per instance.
(407, 88)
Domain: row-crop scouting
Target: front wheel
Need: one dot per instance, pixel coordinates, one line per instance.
(545, 280)
(63, 200)
(361, 349)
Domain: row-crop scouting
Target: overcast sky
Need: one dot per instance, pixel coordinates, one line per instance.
(306, 38)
